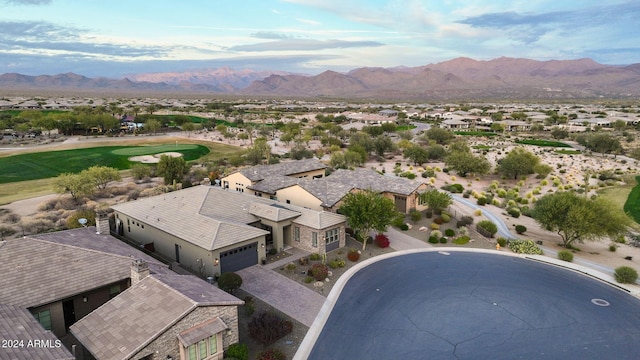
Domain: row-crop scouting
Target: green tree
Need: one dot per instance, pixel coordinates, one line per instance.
(603, 143)
(559, 133)
(76, 185)
(542, 170)
(464, 162)
(577, 218)
(518, 162)
(436, 152)
(436, 200)
(439, 135)
(497, 116)
(172, 168)
(152, 125)
(382, 144)
(367, 211)
(417, 154)
(101, 176)
(140, 171)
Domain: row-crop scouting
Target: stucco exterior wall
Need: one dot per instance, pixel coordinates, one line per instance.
(167, 344)
(236, 181)
(300, 197)
(165, 245)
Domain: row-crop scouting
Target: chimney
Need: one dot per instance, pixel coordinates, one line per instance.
(102, 223)
(139, 270)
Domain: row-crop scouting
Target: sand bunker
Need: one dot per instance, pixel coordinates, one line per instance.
(153, 159)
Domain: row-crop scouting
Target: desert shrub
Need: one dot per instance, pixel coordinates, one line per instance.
(482, 201)
(404, 227)
(353, 255)
(271, 354)
(140, 171)
(525, 247)
(620, 240)
(612, 248)
(626, 275)
(521, 229)
(433, 239)
(443, 240)
(449, 232)
(460, 223)
(436, 233)
(487, 228)
(237, 351)
(382, 241)
(308, 280)
(565, 255)
(398, 222)
(290, 267)
(336, 263)
(502, 242)
(467, 219)
(267, 328)
(463, 230)
(6, 231)
(415, 215)
(319, 271)
(435, 226)
(428, 213)
(314, 257)
(456, 188)
(445, 218)
(134, 194)
(72, 221)
(229, 281)
(272, 251)
(36, 226)
(461, 240)
(303, 261)
(438, 220)
(514, 212)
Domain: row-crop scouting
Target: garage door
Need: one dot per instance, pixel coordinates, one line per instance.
(239, 258)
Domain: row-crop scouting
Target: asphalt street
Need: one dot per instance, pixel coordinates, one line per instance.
(459, 305)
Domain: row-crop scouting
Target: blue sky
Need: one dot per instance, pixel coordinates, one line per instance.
(118, 37)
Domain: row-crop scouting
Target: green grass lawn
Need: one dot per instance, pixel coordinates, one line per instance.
(632, 203)
(475, 133)
(538, 142)
(50, 164)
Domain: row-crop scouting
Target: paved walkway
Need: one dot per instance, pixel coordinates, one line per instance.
(283, 294)
(401, 241)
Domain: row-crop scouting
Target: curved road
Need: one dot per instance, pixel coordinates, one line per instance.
(464, 305)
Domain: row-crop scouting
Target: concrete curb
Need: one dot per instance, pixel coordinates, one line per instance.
(304, 350)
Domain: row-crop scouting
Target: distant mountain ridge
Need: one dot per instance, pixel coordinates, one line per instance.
(460, 78)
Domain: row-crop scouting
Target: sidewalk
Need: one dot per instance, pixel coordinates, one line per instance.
(283, 294)
(401, 241)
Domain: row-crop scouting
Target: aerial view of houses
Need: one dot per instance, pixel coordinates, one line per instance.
(307, 180)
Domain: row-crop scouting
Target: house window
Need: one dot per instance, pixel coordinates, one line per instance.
(44, 318)
(331, 236)
(314, 239)
(203, 348)
(296, 233)
(114, 291)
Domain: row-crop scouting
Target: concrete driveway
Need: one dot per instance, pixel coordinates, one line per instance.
(463, 305)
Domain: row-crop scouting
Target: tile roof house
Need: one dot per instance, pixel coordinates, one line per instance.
(161, 317)
(23, 338)
(326, 193)
(243, 178)
(58, 278)
(211, 230)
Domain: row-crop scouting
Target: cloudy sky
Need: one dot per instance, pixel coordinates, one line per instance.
(118, 37)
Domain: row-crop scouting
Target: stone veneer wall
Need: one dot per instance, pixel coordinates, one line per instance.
(168, 344)
(305, 242)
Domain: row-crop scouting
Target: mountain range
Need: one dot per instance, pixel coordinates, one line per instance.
(457, 79)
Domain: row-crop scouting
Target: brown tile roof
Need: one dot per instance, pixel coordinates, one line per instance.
(213, 218)
(37, 272)
(130, 321)
(18, 324)
(201, 331)
(289, 168)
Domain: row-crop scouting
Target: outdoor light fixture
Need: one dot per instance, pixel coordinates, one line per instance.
(216, 261)
(84, 299)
